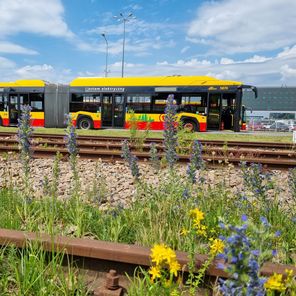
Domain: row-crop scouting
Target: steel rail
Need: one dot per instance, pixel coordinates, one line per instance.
(225, 151)
(117, 252)
(42, 136)
(115, 155)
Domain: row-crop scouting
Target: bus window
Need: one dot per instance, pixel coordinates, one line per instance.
(194, 103)
(85, 102)
(139, 103)
(36, 102)
(3, 102)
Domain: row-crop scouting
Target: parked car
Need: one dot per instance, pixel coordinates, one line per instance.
(266, 124)
(279, 127)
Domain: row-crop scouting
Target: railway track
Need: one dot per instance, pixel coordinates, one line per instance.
(271, 155)
(98, 257)
(148, 141)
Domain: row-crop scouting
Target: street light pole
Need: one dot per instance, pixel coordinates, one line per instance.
(106, 67)
(124, 19)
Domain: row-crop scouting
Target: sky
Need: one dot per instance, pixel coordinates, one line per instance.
(252, 41)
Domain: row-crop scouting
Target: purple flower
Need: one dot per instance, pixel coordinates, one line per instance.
(244, 218)
(170, 132)
(278, 233)
(256, 253)
(264, 221)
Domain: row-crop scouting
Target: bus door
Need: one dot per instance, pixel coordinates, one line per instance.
(214, 111)
(113, 110)
(13, 109)
(15, 103)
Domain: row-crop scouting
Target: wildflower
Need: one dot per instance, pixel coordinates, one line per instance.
(154, 157)
(292, 181)
(184, 231)
(71, 137)
(155, 272)
(243, 264)
(130, 159)
(24, 136)
(197, 215)
(158, 254)
(164, 258)
(125, 151)
(217, 246)
(170, 132)
(244, 218)
(256, 181)
(275, 283)
(186, 194)
(196, 161)
(174, 267)
(264, 221)
(201, 230)
(278, 233)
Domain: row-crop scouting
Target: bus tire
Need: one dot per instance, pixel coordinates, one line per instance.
(85, 123)
(191, 125)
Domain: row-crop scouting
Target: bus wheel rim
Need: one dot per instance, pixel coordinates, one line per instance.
(84, 124)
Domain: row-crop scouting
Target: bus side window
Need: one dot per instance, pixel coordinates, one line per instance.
(194, 103)
(37, 102)
(139, 103)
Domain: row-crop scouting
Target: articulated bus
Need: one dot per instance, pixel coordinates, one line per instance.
(203, 103)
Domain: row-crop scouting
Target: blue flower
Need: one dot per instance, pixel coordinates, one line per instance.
(170, 132)
(264, 221)
(244, 218)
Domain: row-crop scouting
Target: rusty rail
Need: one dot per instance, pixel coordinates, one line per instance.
(270, 159)
(100, 139)
(116, 253)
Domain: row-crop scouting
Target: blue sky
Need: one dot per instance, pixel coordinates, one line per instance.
(58, 40)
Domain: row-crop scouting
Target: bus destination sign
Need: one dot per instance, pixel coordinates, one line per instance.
(104, 89)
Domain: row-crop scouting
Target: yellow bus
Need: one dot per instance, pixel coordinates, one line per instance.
(203, 103)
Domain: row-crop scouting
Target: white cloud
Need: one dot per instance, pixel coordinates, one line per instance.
(8, 47)
(6, 64)
(229, 26)
(257, 70)
(288, 72)
(45, 72)
(184, 49)
(43, 17)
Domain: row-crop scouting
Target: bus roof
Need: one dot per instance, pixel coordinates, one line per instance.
(152, 81)
(24, 83)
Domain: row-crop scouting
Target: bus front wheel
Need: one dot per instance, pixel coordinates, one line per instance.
(191, 125)
(85, 123)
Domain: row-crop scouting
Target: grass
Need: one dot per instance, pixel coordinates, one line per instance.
(223, 136)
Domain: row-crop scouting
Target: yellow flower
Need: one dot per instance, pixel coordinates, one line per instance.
(170, 256)
(201, 230)
(184, 231)
(197, 215)
(275, 282)
(289, 273)
(217, 246)
(174, 267)
(158, 254)
(155, 272)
